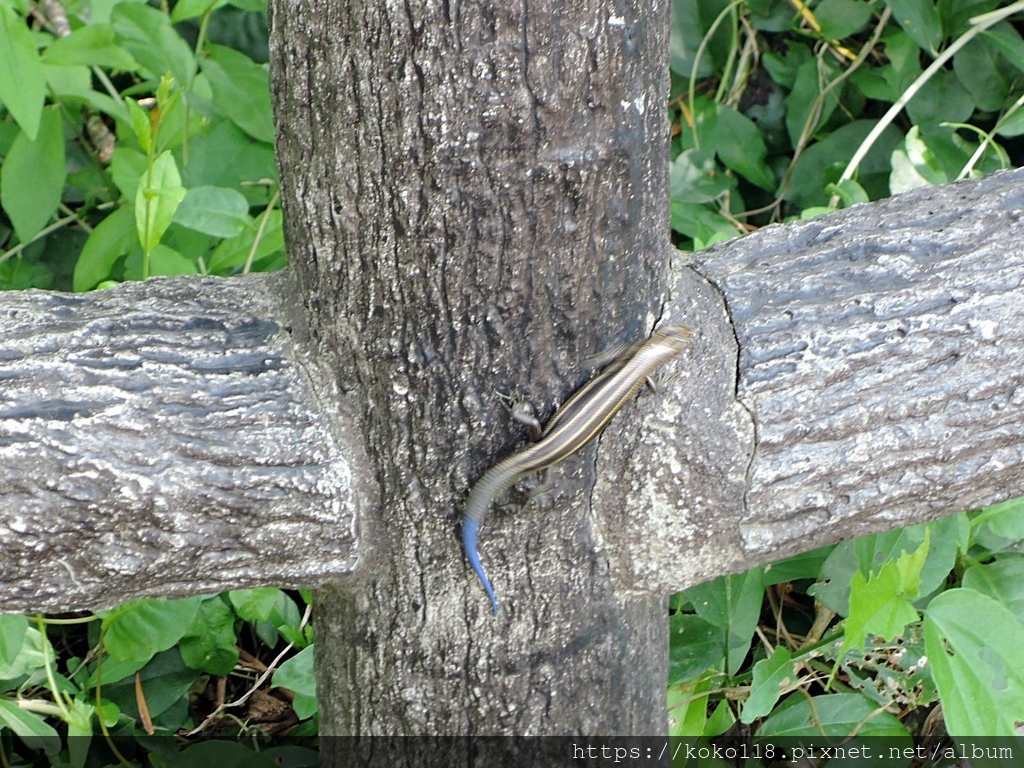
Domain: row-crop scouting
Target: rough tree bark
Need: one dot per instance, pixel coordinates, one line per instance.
(470, 188)
(467, 215)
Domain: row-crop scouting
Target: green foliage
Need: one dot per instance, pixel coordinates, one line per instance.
(118, 120)
(870, 632)
(149, 668)
(783, 110)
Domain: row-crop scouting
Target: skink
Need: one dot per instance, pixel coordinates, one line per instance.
(575, 424)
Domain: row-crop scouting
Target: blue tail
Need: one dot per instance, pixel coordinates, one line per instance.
(470, 527)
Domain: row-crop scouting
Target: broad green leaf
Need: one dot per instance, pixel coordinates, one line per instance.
(1004, 519)
(241, 90)
(842, 18)
(148, 36)
(217, 211)
(740, 146)
(227, 156)
(94, 45)
(732, 603)
(1007, 40)
(127, 166)
(234, 251)
(919, 19)
(140, 123)
(297, 676)
(108, 242)
(976, 652)
(165, 681)
(33, 176)
(12, 635)
(701, 223)
(189, 9)
(140, 629)
(983, 75)
(688, 709)
(802, 104)
(694, 178)
(29, 658)
(833, 715)
(914, 165)
(262, 604)
(771, 676)
(882, 605)
(30, 727)
(209, 643)
(1002, 580)
(158, 196)
(850, 192)
(695, 646)
(941, 99)
(22, 84)
(166, 262)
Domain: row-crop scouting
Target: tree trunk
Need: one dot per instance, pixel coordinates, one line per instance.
(476, 200)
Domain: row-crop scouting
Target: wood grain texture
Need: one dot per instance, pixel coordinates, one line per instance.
(881, 354)
(162, 438)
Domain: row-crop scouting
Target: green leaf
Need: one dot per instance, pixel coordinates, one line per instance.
(1007, 40)
(166, 262)
(701, 223)
(227, 156)
(166, 682)
(209, 643)
(920, 19)
(695, 646)
(771, 677)
(158, 196)
(33, 176)
(1005, 519)
(803, 100)
(138, 630)
(739, 144)
(94, 46)
(217, 211)
(127, 166)
(234, 251)
(914, 165)
(850, 192)
(262, 604)
(29, 727)
(842, 18)
(975, 648)
(297, 676)
(140, 124)
(12, 635)
(734, 604)
(29, 658)
(22, 84)
(881, 605)
(108, 242)
(148, 36)
(977, 67)
(833, 715)
(693, 178)
(1002, 580)
(941, 99)
(241, 90)
(189, 9)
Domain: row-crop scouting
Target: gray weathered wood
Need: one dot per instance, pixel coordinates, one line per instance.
(162, 438)
(878, 355)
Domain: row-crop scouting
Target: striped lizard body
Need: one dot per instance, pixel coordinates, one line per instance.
(574, 425)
